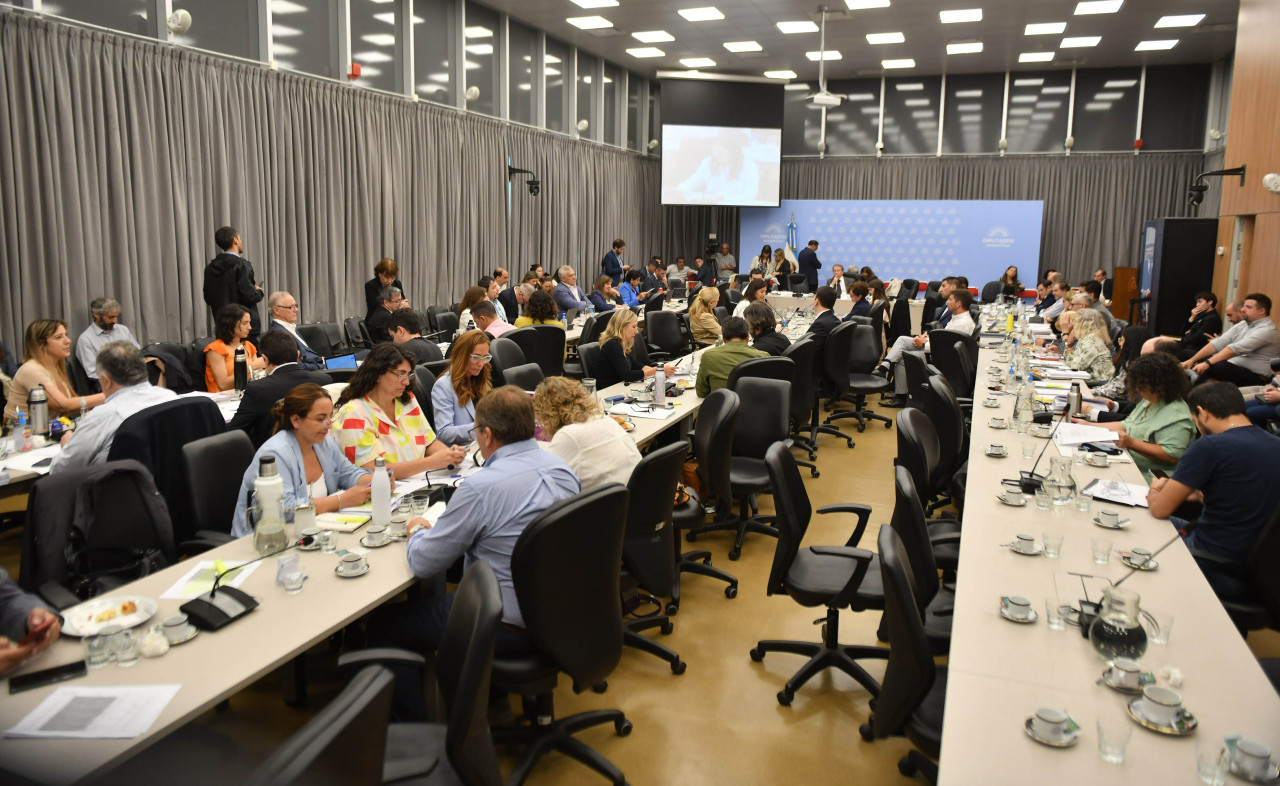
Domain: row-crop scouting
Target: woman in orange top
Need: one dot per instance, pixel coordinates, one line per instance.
(231, 326)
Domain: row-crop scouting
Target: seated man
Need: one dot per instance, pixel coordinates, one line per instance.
(943, 315)
(1232, 469)
(650, 284)
(837, 281)
(406, 329)
(1241, 356)
(567, 294)
(1061, 297)
(106, 328)
(283, 309)
(824, 320)
(21, 613)
(1203, 325)
(486, 319)
(1044, 295)
(717, 363)
(284, 373)
(122, 372)
(392, 300)
(483, 521)
(1265, 408)
(961, 322)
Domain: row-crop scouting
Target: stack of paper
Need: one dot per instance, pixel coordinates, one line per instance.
(1070, 435)
(87, 713)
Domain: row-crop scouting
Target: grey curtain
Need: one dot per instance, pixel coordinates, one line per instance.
(1094, 204)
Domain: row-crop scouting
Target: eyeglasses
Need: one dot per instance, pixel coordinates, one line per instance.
(294, 307)
(323, 419)
(402, 376)
(481, 358)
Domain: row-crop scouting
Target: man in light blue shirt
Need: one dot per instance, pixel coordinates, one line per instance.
(123, 375)
(483, 521)
(106, 328)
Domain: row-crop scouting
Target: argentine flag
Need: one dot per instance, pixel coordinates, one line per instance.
(792, 244)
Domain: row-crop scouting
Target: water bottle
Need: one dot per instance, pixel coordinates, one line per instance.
(38, 406)
(660, 387)
(381, 493)
(1023, 409)
(268, 509)
(22, 434)
(1011, 378)
(241, 369)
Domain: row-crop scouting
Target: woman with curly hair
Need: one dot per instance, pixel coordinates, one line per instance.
(1089, 351)
(593, 444)
(540, 310)
(1160, 428)
(454, 396)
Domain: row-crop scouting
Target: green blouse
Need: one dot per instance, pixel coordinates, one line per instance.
(1167, 424)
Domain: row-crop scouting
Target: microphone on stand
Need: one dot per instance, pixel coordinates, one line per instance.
(212, 611)
(1029, 481)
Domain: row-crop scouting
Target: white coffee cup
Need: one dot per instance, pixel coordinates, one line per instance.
(1252, 758)
(1126, 672)
(991, 401)
(1049, 723)
(1099, 459)
(398, 526)
(1017, 607)
(351, 563)
(998, 423)
(377, 535)
(997, 448)
(313, 533)
(1025, 543)
(1139, 555)
(1111, 518)
(1014, 497)
(1161, 705)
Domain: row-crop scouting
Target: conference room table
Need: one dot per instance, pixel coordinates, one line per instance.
(1000, 672)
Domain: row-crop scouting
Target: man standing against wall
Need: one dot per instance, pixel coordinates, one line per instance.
(808, 264)
(228, 278)
(726, 264)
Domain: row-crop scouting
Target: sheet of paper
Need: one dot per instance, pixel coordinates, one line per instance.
(199, 580)
(1132, 494)
(633, 411)
(1064, 373)
(342, 522)
(27, 461)
(87, 713)
(1070, 435)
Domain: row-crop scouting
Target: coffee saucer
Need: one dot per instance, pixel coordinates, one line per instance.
(1148, 565)
(1272, 776)
(365, 542)
(1065, 741)
(182, 638)
(1035, 552)
(1003, 499)
(993, 454)
(1039, 433)
(999, 427)
(353, 574)
(315, 546)
(992, 405)
(1121, 524)
(1116, 686)
(1004, 613)
(1184, 723)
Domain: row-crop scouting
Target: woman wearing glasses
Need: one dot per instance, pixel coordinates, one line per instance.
(464, 383)
(307, 458)
(378, 416)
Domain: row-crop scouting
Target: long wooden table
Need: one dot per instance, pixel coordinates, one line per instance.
(1000, 672)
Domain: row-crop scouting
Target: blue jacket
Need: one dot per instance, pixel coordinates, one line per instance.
(339, 473)
(628, 294)
(612, 266)
(565, 300)
(599, 302)
(308, 358)
(453, 422)
(807, 261)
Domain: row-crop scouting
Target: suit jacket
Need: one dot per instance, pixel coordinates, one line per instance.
(308, 358)
(566, 300)
(839, 284)
(823, 324)
(507, 298)
(612, 266)
(599, 303)
(706, 275)
(808, 263)
(772, 342)
(228, 278)
(372, 290)
(650, 283)
(377, 324)
(860, 309)
(253, 415)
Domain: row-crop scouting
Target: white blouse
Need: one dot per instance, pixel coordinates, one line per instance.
(598, 451)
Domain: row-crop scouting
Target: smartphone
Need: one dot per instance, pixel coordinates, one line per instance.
(1158, 473)
(37, 631)
(39, 679)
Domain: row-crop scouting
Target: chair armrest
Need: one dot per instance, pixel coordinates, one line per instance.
(862, 557)
(385, 656)
(1217, 560)
(204, 540)
(863, 512)
(57, 595)
(941, 540)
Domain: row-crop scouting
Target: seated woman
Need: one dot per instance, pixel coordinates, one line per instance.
(782, 269)
(861, 303)
(620, 363)
(472, 296)
(754, 293)
(604, 297)
(308, 458)
(868, 275)
(46, 347)
(1009, 283)
(1089, 351)
(630, 289)
(1131, 343)
(231, 328)
(462, 384)
(593, 444)
(1160, 428)
(540, 310)
(378, 416)
(764, 329)
(702, 316)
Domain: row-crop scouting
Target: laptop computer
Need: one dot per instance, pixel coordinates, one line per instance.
(340, 361)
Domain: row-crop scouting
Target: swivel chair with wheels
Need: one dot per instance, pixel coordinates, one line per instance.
(860, 382)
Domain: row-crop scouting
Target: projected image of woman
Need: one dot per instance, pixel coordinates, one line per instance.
(724, 177)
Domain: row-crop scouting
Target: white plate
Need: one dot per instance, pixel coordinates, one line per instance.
(993, 454)
(83, 620)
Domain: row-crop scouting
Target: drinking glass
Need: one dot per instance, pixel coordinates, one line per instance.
(1077, 456)
(1053, 613)
(1159, 627)
(1113, 738)
(328, 541)
(421, 501)
(97, 651)
(126, 646)
(1101, 550)
(1042, 498)
(1028, 448)
(1053, 544)
(293, 582)
(1211, 760)
(1084, 503)
(590, 384)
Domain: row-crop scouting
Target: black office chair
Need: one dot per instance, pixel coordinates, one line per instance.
(935, 285)
(762, 421)
(990, 291)
(721, 313)
(913, 697)
(918, 372)
(1261, 607)
(434, 312)
(861, 382)
(526, 338)
(798, 283)
(549, 354)
(333, 332)
(81, 383)
(663, 335)
(214, 467)
(832, 376)
(178, 351)
(932, 302)
(876, 315)
(316, 338)
(356, 331)
(712, 440)
(461, 750)
(525, 377)
(919, 453)
(447, 325)
(909, 289)
(939, 403)
(653, 304)
(649, 549)
(936, 602)
(567, 571)
(804, 400)
(195, 361)
(837, 577)
(592, 360)
(424, 380)
(779, 368)
(343, 743)
(594, 326)
(951, 360)
(734, 296)
(506, 354)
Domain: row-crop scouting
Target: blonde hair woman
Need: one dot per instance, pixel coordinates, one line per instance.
(1090, 351)
(46, 347)
(620, 362)
(594, 446)
(702, 318)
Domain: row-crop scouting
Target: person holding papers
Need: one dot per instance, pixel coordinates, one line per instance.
(308, 459)
(1160, 428)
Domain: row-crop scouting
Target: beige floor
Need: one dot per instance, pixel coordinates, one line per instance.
(718, 723)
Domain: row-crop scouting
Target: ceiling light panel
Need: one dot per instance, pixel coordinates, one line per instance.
(484, 32)
(653, 37)
(1184, 20)
(588, 22)
(286, 7)
(1081, 41)
(905, 62)
(829, 54)
(743, 46)
(963, 15)
(1035, 57)
(1155, 46)
(594, 3)
(878, 39)
(1046, 28)
(909, 86)
(1118, 84)
(697, 62)
(704, 14)
(1098, 7)
(968, 94)
(964, 48)
(798, 27)
(646, 51)
(380, 39)
(1027, 82)
(781, 75)
(862, 5)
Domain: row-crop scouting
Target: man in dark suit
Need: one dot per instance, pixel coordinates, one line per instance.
(808, 263)
(228, 278)
(650, 282)
(392, 301)
(612, 264)
(283, 309)
(823, 301)
(837, 281)
(513, 300)
(1107, 284)
(283, 374)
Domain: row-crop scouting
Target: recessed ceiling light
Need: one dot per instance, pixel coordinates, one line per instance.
(479, 49)
(968, 107)
(594, 3)
(909, 86)
(1048, 104)
(1021, 110)
(905, 62)
(646, 51)
(1153, 46)
(1098, 7)
(862, 5)
(1097, 106)
(781, 75)
(390, 18)
(1116, 84)
(830, 54)
(1027, 82)
(372, 57)
(1022, 99)
(1184, 20)
(916, 102)
(743, 46)
(484, 32)
(280, 31)
(697, 62)
(968, 94)
(1035, 57)
(970, 119)
(1108, 96)
(1081, 41)
(286, 7)
(798, 27)
(885, 38)
(589, 22)
(380, 39)
(1046, 28)
(922, 113)
(964, 15)
(1056, 90)
(969, 48)
(705, 14)
(653, 37)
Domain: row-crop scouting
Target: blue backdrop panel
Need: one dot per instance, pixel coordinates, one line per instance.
(924, 240)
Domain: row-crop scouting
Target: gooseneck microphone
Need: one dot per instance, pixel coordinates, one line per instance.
(212, 611)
